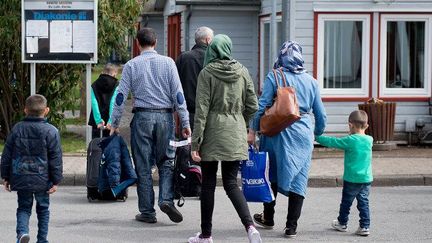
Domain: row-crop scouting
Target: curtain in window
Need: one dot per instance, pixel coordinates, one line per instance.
(405, 54)
(342, 54)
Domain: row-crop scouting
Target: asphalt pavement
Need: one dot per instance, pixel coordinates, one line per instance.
(398, 214)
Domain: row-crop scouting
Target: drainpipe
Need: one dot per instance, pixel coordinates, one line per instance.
(292, 21)
(285, 21)
(187, 28)
(273, 36)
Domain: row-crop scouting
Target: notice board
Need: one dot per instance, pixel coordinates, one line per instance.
(59, 31)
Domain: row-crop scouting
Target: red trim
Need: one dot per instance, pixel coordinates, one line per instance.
(268, 15)
(315, 58)
(379, 57)
(371, 53)
(135, 45)
(315, 64)
(426, 99)
(344, 99)
(174, 38)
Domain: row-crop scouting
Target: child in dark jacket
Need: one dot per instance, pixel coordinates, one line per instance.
(32, 165)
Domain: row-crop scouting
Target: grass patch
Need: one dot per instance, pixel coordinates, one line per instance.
(75, 121)
(73, 143)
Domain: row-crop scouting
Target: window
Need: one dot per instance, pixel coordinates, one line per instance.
(404, 60)
(343, 54)
(265, 64)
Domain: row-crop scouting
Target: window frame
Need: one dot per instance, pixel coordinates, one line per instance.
(264, 20)
(383, 91)
(345, 93)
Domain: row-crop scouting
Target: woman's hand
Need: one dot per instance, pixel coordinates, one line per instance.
(251, 137)
(195, 156)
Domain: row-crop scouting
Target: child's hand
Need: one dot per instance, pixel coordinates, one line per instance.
(52, 189)
(6, 186)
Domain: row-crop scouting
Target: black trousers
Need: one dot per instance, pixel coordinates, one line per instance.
(229, 178)
(295, 204)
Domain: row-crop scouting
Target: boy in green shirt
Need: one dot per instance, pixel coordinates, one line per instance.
(357, 171)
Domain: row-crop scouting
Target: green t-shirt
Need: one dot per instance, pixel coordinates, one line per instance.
(358, 155)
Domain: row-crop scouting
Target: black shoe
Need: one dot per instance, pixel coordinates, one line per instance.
(146, 219)
(290, 233)
(259, 219)
(172, 212)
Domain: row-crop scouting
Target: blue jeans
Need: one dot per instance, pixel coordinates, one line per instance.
(150, 135)
(25, 204)
(360, 191)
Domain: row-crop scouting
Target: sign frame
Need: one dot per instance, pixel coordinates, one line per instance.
(94, 60)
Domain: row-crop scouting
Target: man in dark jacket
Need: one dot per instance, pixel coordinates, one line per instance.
(189, 65)
(32, 165)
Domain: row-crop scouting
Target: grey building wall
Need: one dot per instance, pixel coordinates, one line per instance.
(157, 23)
(240, 26)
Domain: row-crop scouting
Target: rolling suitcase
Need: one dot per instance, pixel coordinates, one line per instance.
(94, 156)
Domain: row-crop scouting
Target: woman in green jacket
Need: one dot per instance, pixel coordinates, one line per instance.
(224, 104)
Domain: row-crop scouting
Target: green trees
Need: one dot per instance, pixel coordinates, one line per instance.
(55, 81)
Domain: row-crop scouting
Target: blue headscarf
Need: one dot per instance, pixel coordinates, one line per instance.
(290, 57)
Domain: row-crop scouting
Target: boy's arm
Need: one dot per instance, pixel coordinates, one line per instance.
(112, 103)
(332, 142)
(6, 158)
(55, 161)
(95, 108)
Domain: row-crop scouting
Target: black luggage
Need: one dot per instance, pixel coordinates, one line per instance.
(187, 175)
(94, 157)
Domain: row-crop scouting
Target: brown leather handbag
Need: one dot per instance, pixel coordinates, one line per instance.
(283, 112)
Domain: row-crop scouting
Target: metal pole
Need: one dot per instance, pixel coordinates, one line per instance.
(273, 36)
(88, 102)
(285, 21)
(292, 21)
(32, 78)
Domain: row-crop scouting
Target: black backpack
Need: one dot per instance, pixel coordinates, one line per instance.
(187, 175)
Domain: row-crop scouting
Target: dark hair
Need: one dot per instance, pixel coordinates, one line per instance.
(358, 118)
(35, 105)
(146, 37)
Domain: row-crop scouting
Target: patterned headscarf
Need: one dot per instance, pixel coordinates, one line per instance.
(290, 57)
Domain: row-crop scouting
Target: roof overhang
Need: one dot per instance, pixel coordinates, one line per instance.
(220, 2)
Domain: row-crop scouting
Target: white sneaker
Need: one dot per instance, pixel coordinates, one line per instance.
(253, 235)
(362, 231)
(197, 239)
(339, 227)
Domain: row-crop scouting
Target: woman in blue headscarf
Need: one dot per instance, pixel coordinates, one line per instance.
(290, 151)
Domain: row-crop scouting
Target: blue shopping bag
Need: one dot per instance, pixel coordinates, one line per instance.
(254, 173)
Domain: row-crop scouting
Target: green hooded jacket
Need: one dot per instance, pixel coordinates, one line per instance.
(225, 102)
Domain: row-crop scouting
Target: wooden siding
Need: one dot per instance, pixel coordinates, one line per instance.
(240, 26)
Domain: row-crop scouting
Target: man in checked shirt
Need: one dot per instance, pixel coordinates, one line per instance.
(154, 83)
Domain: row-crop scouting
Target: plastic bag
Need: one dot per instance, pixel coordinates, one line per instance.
(254, 173)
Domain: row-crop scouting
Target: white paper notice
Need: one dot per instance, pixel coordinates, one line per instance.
(32, 44)
(61, 36)
(182, 143)
(38, 28)
(83, 37)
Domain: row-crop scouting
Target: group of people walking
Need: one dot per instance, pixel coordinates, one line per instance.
(216, 103)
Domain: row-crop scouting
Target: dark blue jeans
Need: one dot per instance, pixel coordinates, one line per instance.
(360, 191)
(25, 204)
(150, 135)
